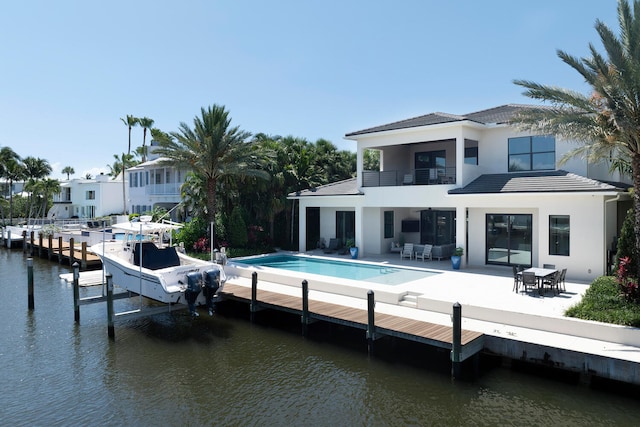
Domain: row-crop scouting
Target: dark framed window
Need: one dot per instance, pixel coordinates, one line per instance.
(559, 232)
(345, 225)
(388, 224)
(509, 238)
(529, 153)
(471, 155)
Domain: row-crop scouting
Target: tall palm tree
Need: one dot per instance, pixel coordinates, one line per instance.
(69, 171)
(13, 171)
(130, 122)
(146, 123)
(35, 169)
(7, 158)
(212, 150)
(606, 121)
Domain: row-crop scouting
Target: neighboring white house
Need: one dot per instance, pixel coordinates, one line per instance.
(152, 184)
(476, 182)
(88, 198)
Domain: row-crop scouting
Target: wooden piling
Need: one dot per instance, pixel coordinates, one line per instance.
(72, 258)
(50, 243)
(40, 245)
(31, 242)
(59, 249)
(371, 324)
(253, 306)
(24, 242)
(8, 239)
(456, 346)
(83, 263)
(30, 298)
(305, 308)
(76, 292)
(110, 314)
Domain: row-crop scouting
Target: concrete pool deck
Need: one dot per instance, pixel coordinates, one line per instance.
(517, 325)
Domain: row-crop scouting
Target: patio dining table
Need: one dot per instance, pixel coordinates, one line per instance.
(541, 274)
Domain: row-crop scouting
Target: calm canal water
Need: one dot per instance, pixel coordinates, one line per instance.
(170, 371)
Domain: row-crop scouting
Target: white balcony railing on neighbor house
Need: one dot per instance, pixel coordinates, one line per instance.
(427, 176)
(170, 189)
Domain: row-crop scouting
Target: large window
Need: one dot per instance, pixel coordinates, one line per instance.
(437, 227)
(345, 225)
(430, 165)
(509, 239)
(531, 153)
(388, 224)
(559, 235)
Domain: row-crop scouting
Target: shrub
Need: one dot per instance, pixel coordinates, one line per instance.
(602, 303)
(237, 229)
(627, 244)
(191, 232)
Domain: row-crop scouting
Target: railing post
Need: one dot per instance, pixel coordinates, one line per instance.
(456, 346)
(371, 324)
(76, 292)
(30, 299)
(305, 308)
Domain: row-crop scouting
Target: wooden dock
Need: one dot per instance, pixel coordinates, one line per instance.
(64, 251)
(385, 324)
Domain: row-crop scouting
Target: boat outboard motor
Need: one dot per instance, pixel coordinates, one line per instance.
(211, 286)
(194, 285)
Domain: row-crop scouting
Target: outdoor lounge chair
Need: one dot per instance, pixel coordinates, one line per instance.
(334, 244)
(407, 251)
(426, 253)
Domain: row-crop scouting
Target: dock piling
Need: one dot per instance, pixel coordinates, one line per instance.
(110, 314)
(253, 307)
(371, 325)
(456, 346)
(305, 308)
(76, 292)
(31, 302)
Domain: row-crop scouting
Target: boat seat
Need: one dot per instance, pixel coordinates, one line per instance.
(155, 258)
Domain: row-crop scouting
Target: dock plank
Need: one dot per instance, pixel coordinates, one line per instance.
(402, 325)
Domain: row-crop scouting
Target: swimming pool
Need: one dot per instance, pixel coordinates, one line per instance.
(359, 271)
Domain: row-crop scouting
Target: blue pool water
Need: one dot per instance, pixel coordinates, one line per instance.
(377, 273)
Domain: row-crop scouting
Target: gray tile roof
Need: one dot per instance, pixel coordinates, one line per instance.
(348, 187)
(496, 115)
(536, 182)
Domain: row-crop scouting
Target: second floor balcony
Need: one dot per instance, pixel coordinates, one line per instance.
(425, 176)
(168, 189)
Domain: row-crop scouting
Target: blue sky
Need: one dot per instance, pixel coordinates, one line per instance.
(312, 69)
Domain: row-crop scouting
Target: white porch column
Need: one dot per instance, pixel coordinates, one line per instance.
(461, 230)
(302, 223)
(360, 230)
(359, 166)
(459, 157)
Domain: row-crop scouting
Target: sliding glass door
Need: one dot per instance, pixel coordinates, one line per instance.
(509, 239)
(345, 225)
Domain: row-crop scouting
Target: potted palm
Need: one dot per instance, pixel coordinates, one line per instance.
(353, 249)
(457, 257)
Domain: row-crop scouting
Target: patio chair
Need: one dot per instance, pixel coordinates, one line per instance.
(549, 266)
(407, 251)
(426, 253)
(553, 281)
(407, 179)
(516, 278)
(334, 244)
(529, 280)
(563, 274)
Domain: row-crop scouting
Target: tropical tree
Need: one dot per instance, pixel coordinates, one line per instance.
(68, 170)
(212, 150)
(12, 170)
(146, 123)
(607, 120)
(130, 122)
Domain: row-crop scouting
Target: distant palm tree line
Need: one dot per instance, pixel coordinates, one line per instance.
(226, 167)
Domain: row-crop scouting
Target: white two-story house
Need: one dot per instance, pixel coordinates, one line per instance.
(88, 198)
(152, 184)
(472, 181)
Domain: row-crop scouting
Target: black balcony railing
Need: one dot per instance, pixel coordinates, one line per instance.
(426, 176)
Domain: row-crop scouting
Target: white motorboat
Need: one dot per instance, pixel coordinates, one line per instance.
(145, 262)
